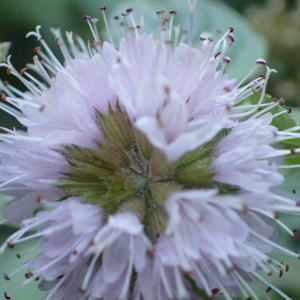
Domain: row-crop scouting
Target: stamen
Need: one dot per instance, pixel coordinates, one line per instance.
(103, 8)
(274, 244)
(48, 50)
(246, 285)
(269, 71)
(56, 287)
(192, 9)
(90, 271)
(272, 286)
(172, 13)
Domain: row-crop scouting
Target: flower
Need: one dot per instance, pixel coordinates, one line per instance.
(146, 172)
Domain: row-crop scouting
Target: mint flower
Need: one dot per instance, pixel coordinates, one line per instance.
(144, 170)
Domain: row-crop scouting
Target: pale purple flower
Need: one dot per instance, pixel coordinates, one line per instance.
(151, 176)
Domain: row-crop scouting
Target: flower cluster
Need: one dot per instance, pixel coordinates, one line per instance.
(145, 171)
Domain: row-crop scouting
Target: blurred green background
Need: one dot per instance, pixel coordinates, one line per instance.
(268, 29)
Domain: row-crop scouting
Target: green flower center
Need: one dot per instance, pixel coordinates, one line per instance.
(129, 174)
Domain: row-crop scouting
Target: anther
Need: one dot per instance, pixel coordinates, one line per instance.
(23, 70)
(219, 31)
(268, 289)
(280, 273)
(6, 277)
(119, 60)
(231, 37)
(28, 274)
(166, 18)
(75, 252)
(293, 150)
(275, 100)
(226, 59)
(129, 10)
(131, 28)
(173, 12)
(94, 20)
(270, 273)
(163, 10)
(287, 267)
(39, 199)
(160, 123)
(57, 38)
(168, 42)
(217, 54)
(202, 38)
(116, 17)
(36, 49)
(167, 89)
(254, 90)
(102, 8)
(215, 291)
(10, 244)
(228, 107)
(8, 71)
(124, 14)
(159, 12)
(37, 279)
(295, 233)
(261, 61)
(269, 260)
(42, 108)
(82, 291)
(276, 215)
(262, 76)
(231, 28)
(6, 83)
(18, 255)
(6, 296)
(249, 298)
(281, 101)
(288, 109)
(41, 38)
(86, 17)
(227, 89)
(3, 97)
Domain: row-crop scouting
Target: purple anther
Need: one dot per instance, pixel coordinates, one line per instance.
(102, 8)
(202, 38)
(6, 296)
(124, 14)
(116, 17)
(288, 109)
(6, 276)
(226, 59)
(57, 38)
(159, 12)
(261, 61)
(86, 17)
(94, 20)
(129, 10)
(231, 37)
(41, 38)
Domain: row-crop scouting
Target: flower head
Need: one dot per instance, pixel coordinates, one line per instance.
(152, 174)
